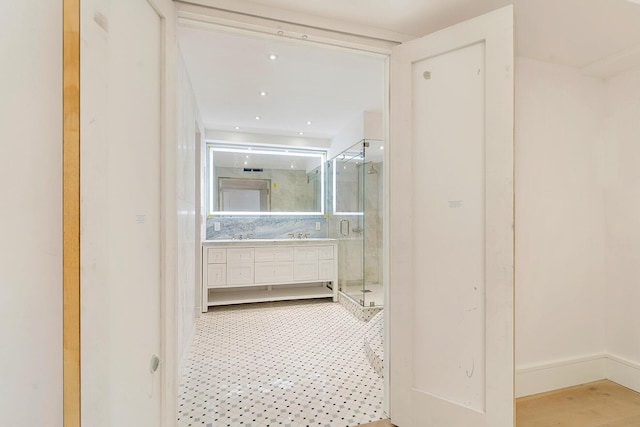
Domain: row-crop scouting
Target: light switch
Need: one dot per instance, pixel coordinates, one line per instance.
(216, 226)
(318, 225)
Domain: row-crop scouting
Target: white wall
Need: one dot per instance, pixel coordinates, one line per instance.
(560, 268)
(622, 131)
(189, 219)
(31, 226)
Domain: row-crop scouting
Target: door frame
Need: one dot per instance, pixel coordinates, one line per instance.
(366, 41)
(71, 241)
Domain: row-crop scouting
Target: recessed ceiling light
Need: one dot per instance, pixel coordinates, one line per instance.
(237, 128)
(291, 166)
(257, 117)
(263, 93)
(381, 147)
(245, 163)
(300, 133)
(308, 122)
(272, 56)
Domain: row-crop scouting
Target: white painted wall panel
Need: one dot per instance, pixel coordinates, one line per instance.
(31, 206)
(622, 171)
(190, 217)
(449, 195)
(121, 154)
(560, 267)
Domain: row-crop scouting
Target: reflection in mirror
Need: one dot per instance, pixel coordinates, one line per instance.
(260, 180)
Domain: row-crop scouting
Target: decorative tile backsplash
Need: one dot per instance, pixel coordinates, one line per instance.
(265, 227)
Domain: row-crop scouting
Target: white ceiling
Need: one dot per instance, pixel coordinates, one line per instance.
(330, 87)
(569, 32)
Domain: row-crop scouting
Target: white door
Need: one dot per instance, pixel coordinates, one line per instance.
(451, 226)
(123, 126)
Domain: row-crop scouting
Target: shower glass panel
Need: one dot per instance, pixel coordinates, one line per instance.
(354, 196)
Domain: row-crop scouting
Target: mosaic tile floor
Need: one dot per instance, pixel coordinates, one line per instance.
(291, 364)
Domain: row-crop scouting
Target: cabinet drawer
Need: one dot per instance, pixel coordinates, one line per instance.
(305, 254)
(240, 273)
(240, 255)
(325, 252)
(273, 272)
(325, 269)
(273, 254)
(216, 275)
(305, 270)
(216, 255)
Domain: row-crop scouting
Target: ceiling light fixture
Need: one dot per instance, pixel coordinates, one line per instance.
(381, 147)
(308, 122)
(273, 56)
(257, 117)
(263, 93)
(300, 133)
(237, 128)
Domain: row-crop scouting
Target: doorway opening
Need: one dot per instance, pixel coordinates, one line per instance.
(269, 345)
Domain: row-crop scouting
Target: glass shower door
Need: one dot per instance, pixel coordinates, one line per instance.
(346, 219)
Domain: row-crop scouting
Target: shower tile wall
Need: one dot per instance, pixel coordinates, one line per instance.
(265, 227)
(373, 224)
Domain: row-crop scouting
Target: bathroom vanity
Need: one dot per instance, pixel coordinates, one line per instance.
(257, 270)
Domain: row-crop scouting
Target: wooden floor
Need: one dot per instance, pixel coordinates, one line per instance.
(382, 423)
(597, 404)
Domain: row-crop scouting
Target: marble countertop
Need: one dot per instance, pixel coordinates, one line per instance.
(253, 242)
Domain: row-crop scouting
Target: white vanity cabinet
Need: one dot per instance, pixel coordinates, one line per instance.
(239, 271)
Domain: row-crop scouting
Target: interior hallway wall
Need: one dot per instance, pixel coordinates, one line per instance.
(31, 226)
(622, 172)
(560, 269)
(189, 238)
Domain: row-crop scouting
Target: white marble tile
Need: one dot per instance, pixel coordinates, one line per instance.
(272, 364)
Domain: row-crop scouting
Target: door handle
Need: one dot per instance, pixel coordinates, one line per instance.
(342, 228)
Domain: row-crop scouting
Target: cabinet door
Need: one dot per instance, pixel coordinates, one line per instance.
(240, 255)
(305, 254)
(325, 269)
(273, 253)
(325, 252)
(240, 273)
(305, 270)
(216, 255)
(273, 272)
(216, 275)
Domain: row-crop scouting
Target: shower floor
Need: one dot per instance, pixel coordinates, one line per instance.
(375, 294)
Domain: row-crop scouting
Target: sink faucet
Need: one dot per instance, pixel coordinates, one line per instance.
(233, 236)
(293, 236)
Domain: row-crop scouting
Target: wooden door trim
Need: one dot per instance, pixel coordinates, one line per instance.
(71, 211)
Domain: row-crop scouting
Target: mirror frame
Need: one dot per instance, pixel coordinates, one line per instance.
(229, 147)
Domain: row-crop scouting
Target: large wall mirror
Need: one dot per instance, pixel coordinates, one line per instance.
(261, 180)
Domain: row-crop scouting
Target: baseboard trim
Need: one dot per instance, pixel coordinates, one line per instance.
(541, 378)
(623, 371)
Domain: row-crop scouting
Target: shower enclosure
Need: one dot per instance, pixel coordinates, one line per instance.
(355, 206)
